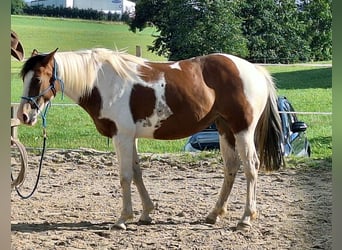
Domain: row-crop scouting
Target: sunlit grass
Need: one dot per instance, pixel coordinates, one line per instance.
(46, 34)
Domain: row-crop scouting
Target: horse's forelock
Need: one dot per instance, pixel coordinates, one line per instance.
(30, 64)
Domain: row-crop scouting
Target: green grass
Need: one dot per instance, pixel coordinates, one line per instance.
(308, 88)
(47, 34)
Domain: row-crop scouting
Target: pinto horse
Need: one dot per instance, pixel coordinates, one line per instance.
(129, 97)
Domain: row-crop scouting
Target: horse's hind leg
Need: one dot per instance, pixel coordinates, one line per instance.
(246, 148)
(138, 181)
(231, 166)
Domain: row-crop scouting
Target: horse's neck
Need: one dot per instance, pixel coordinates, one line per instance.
(79, 70)
(68, 90)
(77, 76)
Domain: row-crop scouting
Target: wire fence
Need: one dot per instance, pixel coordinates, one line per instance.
(305, 113)
(281, 112)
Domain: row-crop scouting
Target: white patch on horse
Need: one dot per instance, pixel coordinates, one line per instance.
(111, 83)
(175, 66)
(114, 94)
(27, 79)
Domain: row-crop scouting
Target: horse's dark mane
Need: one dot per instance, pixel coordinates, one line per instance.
(30, 63)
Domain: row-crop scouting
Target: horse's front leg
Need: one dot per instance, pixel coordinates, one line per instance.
(124, 149)
(147, 204)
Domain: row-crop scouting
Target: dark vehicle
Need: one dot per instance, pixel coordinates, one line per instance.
(295, 141)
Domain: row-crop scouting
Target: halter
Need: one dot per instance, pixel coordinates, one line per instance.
(33, 99)
(43, 115)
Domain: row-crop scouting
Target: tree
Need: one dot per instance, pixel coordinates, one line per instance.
(317, 15)
(293, 45)
(17, 7)
(273, 30)
(191, 28)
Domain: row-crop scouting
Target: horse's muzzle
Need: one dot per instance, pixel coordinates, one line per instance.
(27, 115)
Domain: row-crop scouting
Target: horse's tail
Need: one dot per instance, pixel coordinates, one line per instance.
(269, 130)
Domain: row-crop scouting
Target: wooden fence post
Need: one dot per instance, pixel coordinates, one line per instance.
(15, 122)
(138, 51)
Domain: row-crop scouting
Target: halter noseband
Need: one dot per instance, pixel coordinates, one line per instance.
(33, 99)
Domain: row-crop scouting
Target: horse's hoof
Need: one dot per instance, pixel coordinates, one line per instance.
(254, 215)
(210, 220)
(120, 226)
(145, 222)
(243, 226)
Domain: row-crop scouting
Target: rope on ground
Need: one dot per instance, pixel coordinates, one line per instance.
(24, 163)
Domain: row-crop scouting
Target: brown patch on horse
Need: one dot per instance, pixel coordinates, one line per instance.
(221, 74)
(153, 71)
(183, 89)
(92, 103)
(142, 102)
(216, 82)
(224, 129)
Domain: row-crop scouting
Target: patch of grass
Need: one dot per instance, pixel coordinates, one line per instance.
(46, 34)
(298, 162)
(301, 77)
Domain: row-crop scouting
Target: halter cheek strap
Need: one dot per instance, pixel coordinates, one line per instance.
(56, 78)
(51, 87)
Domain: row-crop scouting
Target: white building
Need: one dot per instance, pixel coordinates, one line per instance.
(113, 6)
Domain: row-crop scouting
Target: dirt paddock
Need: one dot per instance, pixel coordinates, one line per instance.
(79, 199)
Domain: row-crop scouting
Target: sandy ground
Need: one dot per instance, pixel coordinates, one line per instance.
(79, 199)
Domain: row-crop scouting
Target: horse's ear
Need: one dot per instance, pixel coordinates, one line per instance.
(49, 57)
(34, 52)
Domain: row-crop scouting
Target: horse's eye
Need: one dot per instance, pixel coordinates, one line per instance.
(37, 80)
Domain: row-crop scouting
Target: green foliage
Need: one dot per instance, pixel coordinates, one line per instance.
(17, 7)
(317, 15)
(191, 28)
(273, 31)
(260, 30)
(67, 12)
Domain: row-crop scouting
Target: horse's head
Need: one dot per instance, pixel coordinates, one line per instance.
(39, 77)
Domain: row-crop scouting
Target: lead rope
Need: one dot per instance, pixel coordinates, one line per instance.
(23, 159)
(43, 115)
